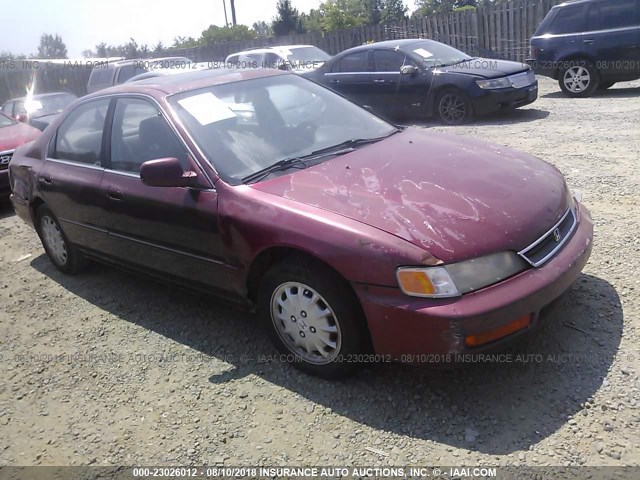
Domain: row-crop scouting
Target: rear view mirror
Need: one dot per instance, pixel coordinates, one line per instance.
(408, 69)
(22, 117)
(166, 172)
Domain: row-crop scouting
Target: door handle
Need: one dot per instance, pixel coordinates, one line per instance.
(379, 81)
(45, 180)
(588, 41)
(113, 194)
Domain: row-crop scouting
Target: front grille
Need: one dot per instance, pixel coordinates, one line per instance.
(521, 80)
(5, 158)
(540, 251)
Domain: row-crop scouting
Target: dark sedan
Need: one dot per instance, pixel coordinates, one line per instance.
(424, 78)
(355, 240)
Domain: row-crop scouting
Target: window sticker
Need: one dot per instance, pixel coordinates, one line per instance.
(423, 53)
(206, 108)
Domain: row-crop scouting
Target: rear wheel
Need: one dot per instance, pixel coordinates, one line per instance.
(64, 255)
(313, 317)
(579, 79)
(453, 107)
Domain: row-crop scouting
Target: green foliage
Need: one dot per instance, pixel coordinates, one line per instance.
(435, 7)
(51, 46)
(341, 14)
(393, 11)
(262, 29)
(313, 21)
(215, 34)
(288, 20)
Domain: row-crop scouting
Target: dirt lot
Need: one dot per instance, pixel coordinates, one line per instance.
(146, 374)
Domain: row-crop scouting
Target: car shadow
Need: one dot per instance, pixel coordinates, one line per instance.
(519, 115)
(6, 209)
(494, 407)
(614, 92)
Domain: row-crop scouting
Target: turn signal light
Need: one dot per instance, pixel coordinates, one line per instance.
(486, 337)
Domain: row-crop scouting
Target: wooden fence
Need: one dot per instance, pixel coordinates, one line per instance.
(500, 30)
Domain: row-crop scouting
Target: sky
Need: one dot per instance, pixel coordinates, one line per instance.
(82, 24)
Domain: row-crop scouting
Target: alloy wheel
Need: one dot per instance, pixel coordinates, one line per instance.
(577, 79)
(452, 108)
(306, 323)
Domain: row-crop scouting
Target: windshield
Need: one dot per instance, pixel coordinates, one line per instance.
(244, 127)
(435, 54)
(47, 105)
(5, 121)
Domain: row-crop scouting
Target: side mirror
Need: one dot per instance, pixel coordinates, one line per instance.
(166, 172)
(22, 117)
(408, 70)
(283, 66)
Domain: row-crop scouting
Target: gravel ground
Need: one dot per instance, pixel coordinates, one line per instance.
(145, 374)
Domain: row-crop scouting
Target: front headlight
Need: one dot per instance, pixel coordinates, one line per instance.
(459, 278)
(494, 83)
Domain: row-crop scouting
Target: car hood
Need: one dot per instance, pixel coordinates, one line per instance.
(455, 197)
(486, 68)
(15, 135)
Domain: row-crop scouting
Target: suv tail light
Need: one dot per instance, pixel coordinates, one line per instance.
(533, 52)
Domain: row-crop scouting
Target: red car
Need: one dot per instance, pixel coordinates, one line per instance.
(354, 239)
(12, 135)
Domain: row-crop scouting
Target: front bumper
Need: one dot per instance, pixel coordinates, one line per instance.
(490, 101)
(415, 330)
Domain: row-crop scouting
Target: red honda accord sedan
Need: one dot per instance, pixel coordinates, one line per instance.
(354, 239)
(12, 135)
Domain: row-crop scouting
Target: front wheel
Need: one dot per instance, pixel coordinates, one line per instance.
(579, 79)
(453, 107)
(64, 255)
(312, 316)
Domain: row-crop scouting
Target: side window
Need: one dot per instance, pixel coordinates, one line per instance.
(140, 134)
(79, 137)
(271, 60)
(388, 61)
(569, 20)
(620, 14)
(355, 62)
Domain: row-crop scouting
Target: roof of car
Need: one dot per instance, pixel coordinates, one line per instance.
(272, 48)
(405, 42)
(182, 82)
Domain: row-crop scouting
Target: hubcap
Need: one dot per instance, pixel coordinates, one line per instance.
(306, 323)
(577, 79)
(452, 108)
(54, 240)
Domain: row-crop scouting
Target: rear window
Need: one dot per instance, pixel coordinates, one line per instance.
(570, 19)
(101, 76)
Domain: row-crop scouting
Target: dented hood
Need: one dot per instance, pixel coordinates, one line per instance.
(454, 196)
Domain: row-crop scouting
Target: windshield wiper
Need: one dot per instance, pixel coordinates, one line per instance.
(287, 163)
(299, 162)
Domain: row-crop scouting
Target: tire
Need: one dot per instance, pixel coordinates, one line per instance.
(605, 85)
(63, 254)
(579, 79)
(294, 328)
(452, 107)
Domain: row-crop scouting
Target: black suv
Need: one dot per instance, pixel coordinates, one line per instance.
(588, 45)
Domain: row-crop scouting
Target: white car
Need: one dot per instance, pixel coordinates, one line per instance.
(295, 58)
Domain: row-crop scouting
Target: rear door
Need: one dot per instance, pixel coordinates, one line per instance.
(72, 172)
(170, 230)
(351, 75)
(613, 37)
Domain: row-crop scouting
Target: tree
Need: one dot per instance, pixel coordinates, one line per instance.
(313, 21)
(215, 34)
(374, 11)
(287, 19)
(51, 46)
(101, 50)
(341, 14)
(88, 53)
(158, 48)
(393, 11)
(262, 29)
(434, 7)
(185, 42)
